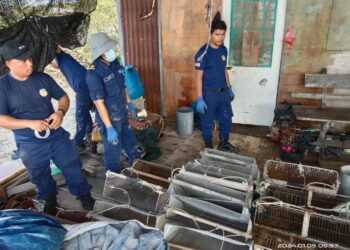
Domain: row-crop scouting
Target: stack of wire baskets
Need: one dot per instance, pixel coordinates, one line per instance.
(210, 200)
(299, 209)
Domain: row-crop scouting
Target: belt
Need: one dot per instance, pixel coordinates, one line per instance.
(218, 90)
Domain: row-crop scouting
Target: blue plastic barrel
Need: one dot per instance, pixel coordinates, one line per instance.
(133, 82)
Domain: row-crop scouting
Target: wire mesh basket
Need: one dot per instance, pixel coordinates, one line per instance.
(151, 172)
(215, 171)
(268, 238)
(303, 223)
(329, 204)
(231, 161)
(180, 237)
(135, 192)
(125, 213)
(283, 173)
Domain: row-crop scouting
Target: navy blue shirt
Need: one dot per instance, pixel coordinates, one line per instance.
(29, 99)
(74, 73)
(107, 82)
(213, 64)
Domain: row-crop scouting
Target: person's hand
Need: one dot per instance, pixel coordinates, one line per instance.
(201, 105)
(38, 125)
(112, 135)
(232, 95)
(132, 110)
(55, 120)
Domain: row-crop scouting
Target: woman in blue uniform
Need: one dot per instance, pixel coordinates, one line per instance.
(213, 87)
(105, 80)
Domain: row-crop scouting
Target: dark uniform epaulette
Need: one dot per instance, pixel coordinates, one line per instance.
(91, 67)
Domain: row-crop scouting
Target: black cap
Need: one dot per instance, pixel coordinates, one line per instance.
(13, 49)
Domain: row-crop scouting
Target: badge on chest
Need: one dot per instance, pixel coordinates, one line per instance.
(108, 78)
(43, 92)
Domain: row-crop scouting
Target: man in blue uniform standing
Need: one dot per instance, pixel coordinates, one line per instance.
(105, 80)
(213, 87)
(26, 109)
(75, 73)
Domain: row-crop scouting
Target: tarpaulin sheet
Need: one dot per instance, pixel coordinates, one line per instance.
(26, 229)
(113, 236)
(41, 24)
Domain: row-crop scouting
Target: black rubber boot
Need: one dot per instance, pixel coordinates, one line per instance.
(224, 145)
(208, 144)
(87, 201)
(50, 206)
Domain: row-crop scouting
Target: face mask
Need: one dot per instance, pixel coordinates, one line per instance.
(110, 55)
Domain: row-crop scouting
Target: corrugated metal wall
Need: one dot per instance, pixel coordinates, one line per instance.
(141, 46)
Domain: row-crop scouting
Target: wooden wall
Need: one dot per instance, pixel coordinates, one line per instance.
(183, 31)
(322, 41)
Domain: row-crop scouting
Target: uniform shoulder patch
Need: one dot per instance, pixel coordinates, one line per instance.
(91, 67)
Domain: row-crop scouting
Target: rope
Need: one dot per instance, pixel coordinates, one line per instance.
(209, 6)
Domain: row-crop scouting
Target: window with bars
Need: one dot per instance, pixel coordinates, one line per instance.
(252, 32)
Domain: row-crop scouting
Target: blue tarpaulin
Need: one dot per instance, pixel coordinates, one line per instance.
(26, 229)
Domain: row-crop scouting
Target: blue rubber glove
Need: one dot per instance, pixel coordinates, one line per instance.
(132, 110)
(201, 105)
(232, 95)
(112, 135)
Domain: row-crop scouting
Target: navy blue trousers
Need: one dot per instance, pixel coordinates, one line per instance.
(219, 108)
(63, 152)
(84, 121)
(127, 141)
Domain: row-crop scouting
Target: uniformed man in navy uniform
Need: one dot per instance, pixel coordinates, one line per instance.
(105, 80)
(213, 87)
(26, 109)
(75, 73)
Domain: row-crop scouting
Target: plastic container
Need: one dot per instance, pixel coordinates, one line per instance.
(133, 82)
(184, 121)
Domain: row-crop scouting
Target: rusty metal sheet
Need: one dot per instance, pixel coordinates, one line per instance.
(141, 46)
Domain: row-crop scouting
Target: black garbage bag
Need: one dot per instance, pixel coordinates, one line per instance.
(41, 24)
(148, 139)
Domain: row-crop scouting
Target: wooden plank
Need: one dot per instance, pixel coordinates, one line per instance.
(305, 113)
(334, 143)
(327, 81)
(320, 96)
(307, 102)
(298, 87)
(29, 187)
(22, 178)
(26, 187)
(12, 175)
(292, 78)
